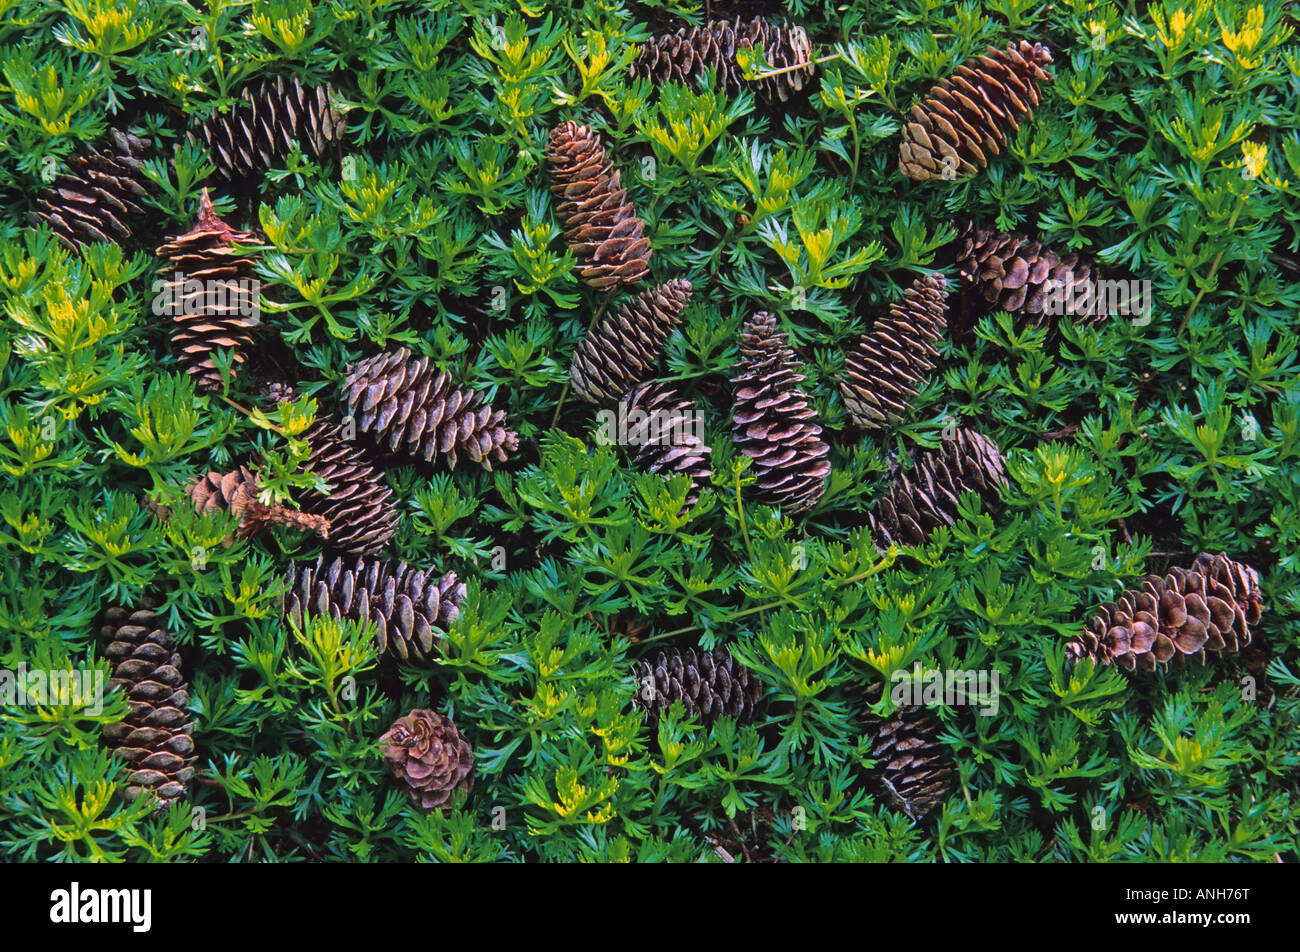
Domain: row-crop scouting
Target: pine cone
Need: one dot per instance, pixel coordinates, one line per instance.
(259, 133)
(211, 294)
(430, 758)
(236, 492)
(359, 506)
(155, 738)
(966, 118)
(914, 766)
(621, 351)
(97, 199)
(1024, 277)
(684, 56)
(666, 440)
(403, 398)
(772, 421)
(924, 497)
(711, 684)
(599, 221)
(409, 608)
(887, 368)
(1209, 607)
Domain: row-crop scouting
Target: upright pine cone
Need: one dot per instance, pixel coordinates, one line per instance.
(914, 766)
(430, 758)
(359, 506)
(211, 294)
(966, 118)
(710, 684)
(1209, 607)
(408, 607)
(155, 738)
(665, 435)
(772, 421)
(685, 55)
(259, 133)
(97, 199)
(599, 221)
(1025, 277)
(236, 492)
(925, 497)
(889, 365)
(404, 399)
(622, 349)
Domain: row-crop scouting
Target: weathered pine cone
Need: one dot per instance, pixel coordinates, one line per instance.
(913, 765)
(403, 399)
(925, 497)
(1207, 608)
(710, 684)
(155, 739)
(430, 759)
(967, 118)
(600, 223)
(210, 293)
(1025, 277)
(684, 55)
(236, 492)
(622, 349)
(887, 368)
(772, 422)
(410, 609)
(663, 431)
(98, 198)
(258, 133)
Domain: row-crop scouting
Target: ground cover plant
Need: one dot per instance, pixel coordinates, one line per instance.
(341, 339)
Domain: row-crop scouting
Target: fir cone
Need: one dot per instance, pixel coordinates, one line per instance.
(430, 758)
(710, 684)
(404, 399)
(889, 365)
(599, 221)
(236, 492)
(98, 198)
(967, 118)
(1025, 277)
(664, 437)
(409, 608)
(210, 293)
(155, 737)
(772, 421)
(359, 506)
(684, 56)
(622, 349)
(912, 763)
(925, 497)
(258, 133)
(1209, 607)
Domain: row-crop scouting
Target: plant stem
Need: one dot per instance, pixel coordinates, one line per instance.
(594, 318)
(790, 69)
(1214, 265)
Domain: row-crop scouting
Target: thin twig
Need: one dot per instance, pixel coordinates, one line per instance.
(565, 392)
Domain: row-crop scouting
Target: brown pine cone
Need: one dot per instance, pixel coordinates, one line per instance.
(410, 609)
(404, 399)
(211, 294)
(430, 759)
(889, 365)
(236, 492)
(1025, 277)
(913, 765)
(259, 133)
(772, 421)
(665, 435)
(622, 349)
(155, 739)
(685, 55)
(599, 222)
(925, 496)
(1209, 607)
(967, 118)
(97, 199)
(710, 684)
